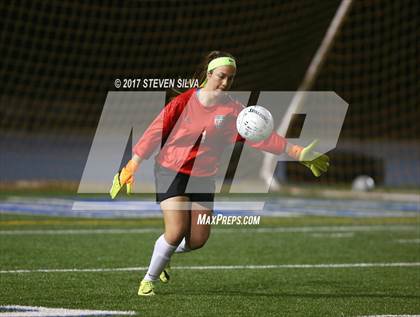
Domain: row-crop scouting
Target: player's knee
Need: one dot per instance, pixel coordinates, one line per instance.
(174, 237)
(198, 243)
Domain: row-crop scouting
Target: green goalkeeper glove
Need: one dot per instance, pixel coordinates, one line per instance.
(124, 177)
(318, 163)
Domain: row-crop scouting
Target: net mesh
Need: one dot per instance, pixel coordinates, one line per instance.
(374, 65)
(59, 60)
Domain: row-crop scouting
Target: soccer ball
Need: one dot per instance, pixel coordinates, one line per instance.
(363, 183)
(254, 123)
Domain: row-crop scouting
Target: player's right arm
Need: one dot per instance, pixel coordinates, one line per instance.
(147, 144)
(161, 126)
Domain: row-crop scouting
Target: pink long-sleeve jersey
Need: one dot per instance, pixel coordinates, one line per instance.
(194, 136)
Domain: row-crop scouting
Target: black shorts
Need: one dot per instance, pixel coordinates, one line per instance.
(170, 184)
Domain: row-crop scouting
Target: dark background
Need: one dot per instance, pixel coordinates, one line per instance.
(60, 58)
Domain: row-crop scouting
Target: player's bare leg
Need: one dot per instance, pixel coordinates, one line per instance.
(176, 217)
(199, 233)
(177, 220)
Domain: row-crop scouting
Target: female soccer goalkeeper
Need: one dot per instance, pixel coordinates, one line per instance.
(195, 127)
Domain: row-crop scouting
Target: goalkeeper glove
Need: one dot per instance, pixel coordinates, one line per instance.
(124, 177)
(318, 163)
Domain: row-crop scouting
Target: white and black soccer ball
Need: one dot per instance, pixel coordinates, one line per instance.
(254, 123)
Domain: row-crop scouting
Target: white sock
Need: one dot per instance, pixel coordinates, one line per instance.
(161, 255)
(182, 248)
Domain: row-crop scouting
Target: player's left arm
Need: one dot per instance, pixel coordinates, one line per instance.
(275, 144)
(318, 163)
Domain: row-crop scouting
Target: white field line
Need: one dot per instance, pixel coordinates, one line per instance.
(151, 205)
(310, 229)
(333, 235)
(408, 240)
(78, 231)
(224, 267)
(391, 316)
(35, 311)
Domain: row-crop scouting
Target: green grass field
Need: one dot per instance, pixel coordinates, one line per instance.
(199, 285)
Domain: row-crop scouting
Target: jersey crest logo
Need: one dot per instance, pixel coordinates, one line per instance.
(218, 120)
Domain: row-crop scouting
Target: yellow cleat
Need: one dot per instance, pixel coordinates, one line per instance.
(164, 276)
(146, 288)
